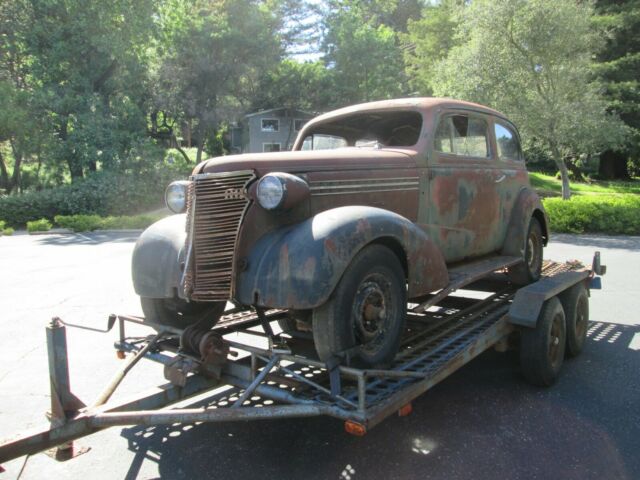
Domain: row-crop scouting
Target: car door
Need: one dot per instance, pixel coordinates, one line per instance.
(463, 204)
(510, 172)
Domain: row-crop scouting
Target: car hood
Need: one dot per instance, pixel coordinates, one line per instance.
(306, 161)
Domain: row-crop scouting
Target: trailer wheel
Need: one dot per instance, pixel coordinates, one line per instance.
(366, 312)
(178, 313)
(542, 348)
(530, 269)
(576, 308)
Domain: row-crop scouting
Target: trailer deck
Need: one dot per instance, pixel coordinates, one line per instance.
(251, 373)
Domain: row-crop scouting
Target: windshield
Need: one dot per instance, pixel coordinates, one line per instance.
(365, 130)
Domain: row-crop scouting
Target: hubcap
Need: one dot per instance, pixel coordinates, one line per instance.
(555, 337)
(369, 314)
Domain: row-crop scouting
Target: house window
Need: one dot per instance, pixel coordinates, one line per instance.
(298, 124)
(270, 147)
(270, 125)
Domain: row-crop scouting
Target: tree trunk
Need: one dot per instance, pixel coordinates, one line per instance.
(4, 175)
(200, 141)
(613, 164)
(16, 177)
(177, 146)
(564, 172)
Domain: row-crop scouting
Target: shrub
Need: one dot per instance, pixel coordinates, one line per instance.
(102, 193)
(612, 214)
(8, 231)
(85, 223)
(42, 225)
(79, 223)
(3, 224)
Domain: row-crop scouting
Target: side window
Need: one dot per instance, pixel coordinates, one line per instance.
(462, 135)
(507, 142)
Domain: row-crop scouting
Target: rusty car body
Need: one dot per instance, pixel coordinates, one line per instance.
(431, 183)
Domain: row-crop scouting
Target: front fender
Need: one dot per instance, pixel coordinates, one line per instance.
(155, 266)
(527, 205)
(299, 266)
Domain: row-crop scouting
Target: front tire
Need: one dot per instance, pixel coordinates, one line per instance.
(530, 269)
(178, 313)
(366, 311)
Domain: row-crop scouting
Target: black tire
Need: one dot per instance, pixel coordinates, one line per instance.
(530, 269)
(542, 348)
(375, 282)
(576, 308)
(289, 326)
(178, 313)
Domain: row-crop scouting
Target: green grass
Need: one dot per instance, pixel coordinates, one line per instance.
(549, 186)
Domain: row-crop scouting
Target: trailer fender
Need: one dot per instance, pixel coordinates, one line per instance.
(299, 266)
(527, 205)
(528, 301)
(157, 257)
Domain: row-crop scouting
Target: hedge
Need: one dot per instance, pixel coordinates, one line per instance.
(86, 223)
(102, 193)
(612, 214)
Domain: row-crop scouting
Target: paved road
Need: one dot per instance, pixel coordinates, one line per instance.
(483, 422)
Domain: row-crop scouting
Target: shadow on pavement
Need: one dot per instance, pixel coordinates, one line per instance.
(89, 238)
(621, 242)
(482, 422)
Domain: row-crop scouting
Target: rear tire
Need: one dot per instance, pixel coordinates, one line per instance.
(542, 348)
(530, 269)
(576, 308)
(178, 313)
(366, 311)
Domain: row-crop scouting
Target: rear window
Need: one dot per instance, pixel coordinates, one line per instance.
(462, 135)
(366, 130)
(507, 142)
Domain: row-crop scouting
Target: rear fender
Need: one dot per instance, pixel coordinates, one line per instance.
(527, 205)
(299, 266)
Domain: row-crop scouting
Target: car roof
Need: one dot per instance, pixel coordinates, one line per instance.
(418, 103)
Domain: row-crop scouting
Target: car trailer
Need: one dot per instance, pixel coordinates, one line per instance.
(246, 372)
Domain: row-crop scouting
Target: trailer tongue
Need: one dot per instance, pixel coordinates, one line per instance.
(250, 373)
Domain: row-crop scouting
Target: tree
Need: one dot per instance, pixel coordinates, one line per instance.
(363, 53)
(215, 54)
(427, 41)
(307, 86)
(532, 60)
(618, 66)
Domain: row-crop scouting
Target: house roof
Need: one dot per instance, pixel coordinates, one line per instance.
(277, 110)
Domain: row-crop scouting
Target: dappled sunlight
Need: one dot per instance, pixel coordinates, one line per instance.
(423, 445)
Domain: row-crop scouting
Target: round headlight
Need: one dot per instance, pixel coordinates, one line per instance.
(176, 196)
(271, 192)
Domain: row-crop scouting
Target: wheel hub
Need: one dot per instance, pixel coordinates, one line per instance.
(370, 313)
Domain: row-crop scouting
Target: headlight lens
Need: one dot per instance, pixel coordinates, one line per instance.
(176, 196)
(270, 192)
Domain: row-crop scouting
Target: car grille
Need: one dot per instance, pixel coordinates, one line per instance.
(216, 205)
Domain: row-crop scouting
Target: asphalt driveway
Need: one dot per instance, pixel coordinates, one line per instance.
(482, 422)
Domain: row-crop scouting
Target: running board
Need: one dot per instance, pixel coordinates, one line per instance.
(463, 275)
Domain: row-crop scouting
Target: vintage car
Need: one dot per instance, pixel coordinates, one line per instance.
(371, 208)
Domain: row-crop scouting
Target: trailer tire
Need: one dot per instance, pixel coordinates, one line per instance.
(542, 348)
(178, 313)
(576, 308)
(530, 269)
(366, 312)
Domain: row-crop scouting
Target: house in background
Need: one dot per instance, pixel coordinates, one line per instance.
(271, 130)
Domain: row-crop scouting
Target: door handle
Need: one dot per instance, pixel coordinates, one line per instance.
(502, 177)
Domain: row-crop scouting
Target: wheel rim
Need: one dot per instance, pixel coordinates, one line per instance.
(555, 341)
(581, 318)
(371, 308)
(533, 243)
